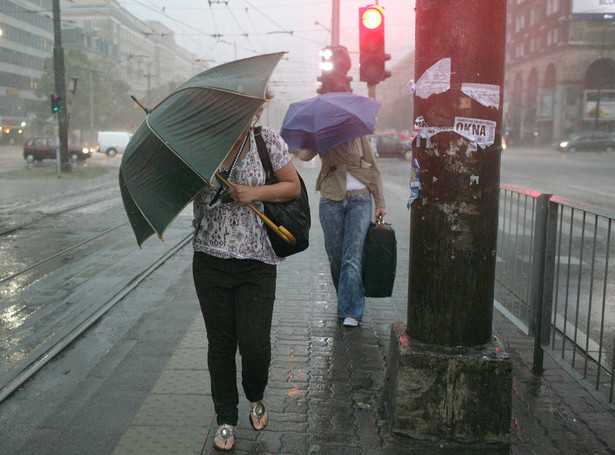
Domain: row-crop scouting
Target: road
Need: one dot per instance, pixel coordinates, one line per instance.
(585, 178)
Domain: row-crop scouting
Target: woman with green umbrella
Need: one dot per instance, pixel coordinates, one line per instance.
(234, 270)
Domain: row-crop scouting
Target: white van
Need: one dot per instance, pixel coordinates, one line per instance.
(112, 142)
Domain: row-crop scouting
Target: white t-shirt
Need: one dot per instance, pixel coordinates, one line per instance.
(353, 183)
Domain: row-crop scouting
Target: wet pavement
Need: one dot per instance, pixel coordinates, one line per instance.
(148, 391)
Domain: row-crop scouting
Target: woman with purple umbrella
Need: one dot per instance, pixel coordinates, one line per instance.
(349, 178)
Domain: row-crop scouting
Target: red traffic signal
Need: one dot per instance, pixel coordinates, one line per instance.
(335, 64)
(372, 17)
(371, 45)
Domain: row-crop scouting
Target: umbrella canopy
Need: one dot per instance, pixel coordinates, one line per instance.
(184, 139)
(322, 122)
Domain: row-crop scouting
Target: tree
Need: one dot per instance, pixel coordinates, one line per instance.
(113, 109)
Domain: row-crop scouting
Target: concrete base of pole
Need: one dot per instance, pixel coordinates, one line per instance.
(458, 394)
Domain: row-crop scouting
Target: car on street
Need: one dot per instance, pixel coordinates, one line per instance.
(112, 142)
(401, 137)
(587, 141)
(388, 146)
(44, 148)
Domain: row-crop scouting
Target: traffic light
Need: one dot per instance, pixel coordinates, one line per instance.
(371, 45)
(335, 64)
(57, 102)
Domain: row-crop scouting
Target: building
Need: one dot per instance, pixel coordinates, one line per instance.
(396, 113)
(144, 52)
(560, 68)
(26, 40)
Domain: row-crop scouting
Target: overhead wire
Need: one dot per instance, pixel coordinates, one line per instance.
(287, 70)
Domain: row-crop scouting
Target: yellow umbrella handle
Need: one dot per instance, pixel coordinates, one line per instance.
(279, 230)
(141, 105)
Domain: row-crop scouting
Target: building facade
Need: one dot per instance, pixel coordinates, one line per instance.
(144, 54)
(560, 69)
(26, 40)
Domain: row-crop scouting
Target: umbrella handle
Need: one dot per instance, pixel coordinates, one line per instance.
(279, 230)
(141, 105)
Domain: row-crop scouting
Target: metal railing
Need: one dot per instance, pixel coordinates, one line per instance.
(553, 280)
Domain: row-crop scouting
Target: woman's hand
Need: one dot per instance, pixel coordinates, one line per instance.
(242, 193)
(287, 188)
(380, 213)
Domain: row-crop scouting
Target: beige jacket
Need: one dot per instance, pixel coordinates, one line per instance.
(358, 159)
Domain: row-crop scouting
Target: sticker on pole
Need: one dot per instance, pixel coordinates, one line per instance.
(480, 132)
(486, 94)
(436, 79)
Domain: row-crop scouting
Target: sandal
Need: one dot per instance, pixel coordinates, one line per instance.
(224, 433)
(259, 413)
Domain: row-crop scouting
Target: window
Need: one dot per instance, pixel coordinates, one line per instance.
(95, 24)
(552, 36)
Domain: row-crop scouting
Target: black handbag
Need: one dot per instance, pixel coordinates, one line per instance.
(379, 260)
(293, 215)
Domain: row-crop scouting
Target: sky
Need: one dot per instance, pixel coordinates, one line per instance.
(218, 31)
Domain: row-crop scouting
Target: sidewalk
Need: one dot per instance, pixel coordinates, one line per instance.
(325, 394)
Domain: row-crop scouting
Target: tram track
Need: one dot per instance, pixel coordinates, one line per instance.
(43, 208)
(72, 326)
(60, 253)
(63, 287)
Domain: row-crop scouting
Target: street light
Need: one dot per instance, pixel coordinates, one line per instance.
(72, 87)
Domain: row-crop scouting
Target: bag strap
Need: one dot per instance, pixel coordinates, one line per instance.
(263, 153)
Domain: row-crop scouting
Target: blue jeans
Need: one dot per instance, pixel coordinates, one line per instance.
(344, 224)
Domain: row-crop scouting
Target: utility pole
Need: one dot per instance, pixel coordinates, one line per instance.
(335, 23)
(60, 87)
(447, 376)
(91, 89)
(454, 221)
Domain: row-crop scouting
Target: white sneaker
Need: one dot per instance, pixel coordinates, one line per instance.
(351, 322)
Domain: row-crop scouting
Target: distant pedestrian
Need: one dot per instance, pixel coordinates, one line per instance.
(349, 178)
(234, 270)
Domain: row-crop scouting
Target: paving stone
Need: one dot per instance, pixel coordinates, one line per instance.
(325, 392)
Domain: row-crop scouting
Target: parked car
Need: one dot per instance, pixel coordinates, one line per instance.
(588, 141)
(401, 137)
(44, 148)
(387, 145)
(112, 142)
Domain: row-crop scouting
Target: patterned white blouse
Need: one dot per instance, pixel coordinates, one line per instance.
(233, 230)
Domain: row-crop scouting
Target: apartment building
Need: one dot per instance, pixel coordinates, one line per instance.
(560, 68)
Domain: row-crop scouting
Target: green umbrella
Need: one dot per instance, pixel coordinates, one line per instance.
(184, 139)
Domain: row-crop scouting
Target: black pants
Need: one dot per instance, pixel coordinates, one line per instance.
(236, 297)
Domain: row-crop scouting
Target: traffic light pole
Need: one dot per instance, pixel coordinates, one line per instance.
(335, 23)
(371, 91)
(60, 88)
(448, 377)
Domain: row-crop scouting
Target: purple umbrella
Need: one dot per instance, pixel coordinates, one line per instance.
(322, 122)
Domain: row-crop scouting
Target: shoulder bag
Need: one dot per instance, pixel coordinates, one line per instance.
(293, 215)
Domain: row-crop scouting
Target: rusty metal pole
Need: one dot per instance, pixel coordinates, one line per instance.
(454, 220)
(335, 23)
